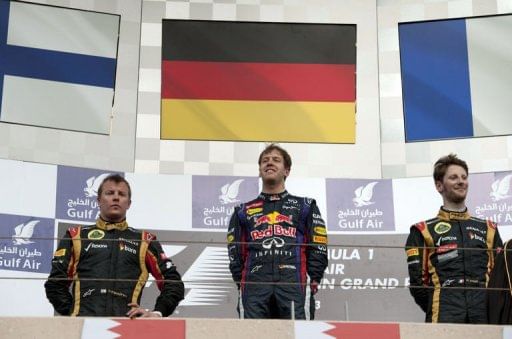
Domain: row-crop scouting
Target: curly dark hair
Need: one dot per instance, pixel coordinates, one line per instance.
(442, 164)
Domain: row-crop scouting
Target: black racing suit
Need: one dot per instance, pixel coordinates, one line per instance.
(108, 266)
(499, 298)
(450, 258)
(277, 246)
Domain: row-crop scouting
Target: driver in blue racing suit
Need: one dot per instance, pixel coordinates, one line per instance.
(277, 246)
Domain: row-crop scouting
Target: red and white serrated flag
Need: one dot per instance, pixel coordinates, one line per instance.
(132, 328)
(345, 330)
(99, 329)
(312, 329)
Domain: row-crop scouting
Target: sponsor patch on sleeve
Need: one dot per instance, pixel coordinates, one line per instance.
(60, 253)
(319, 239)
(252, 211)
(148, 236)
(231, 237)
(320, 230)
(412, 252)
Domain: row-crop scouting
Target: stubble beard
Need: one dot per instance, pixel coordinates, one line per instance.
(457, 198)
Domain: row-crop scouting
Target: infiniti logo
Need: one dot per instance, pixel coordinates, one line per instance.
(274, 241)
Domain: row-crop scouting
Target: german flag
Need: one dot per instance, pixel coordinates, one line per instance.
(247, 81)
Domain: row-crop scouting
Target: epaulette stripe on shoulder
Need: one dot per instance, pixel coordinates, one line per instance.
(431, 221)
(420, 225)
(491, 224)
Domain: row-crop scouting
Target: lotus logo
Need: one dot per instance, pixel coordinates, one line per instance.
(363, 195)
(230, 192)
(23, 233)
(501, 188)
(93, 183)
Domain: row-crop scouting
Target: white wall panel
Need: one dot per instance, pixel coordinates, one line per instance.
(27, 188)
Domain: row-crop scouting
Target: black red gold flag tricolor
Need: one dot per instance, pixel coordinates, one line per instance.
(247, 81)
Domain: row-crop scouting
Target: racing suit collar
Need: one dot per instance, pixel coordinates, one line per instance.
(452, 215)
(107, 226)
(273, 197)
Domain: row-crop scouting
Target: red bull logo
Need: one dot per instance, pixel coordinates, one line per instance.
(283, 218)
(273, 218)
(272, 230)
(264, 219)
(285, 231)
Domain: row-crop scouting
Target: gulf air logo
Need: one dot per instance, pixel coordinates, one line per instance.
(23, 233)
(364, 194)
(229, 192)
(501, 188)
(92, 185)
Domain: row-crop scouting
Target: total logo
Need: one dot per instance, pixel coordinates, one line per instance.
(273, 218)
(272, 230)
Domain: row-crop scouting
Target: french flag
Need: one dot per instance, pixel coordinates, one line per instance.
(456, 77)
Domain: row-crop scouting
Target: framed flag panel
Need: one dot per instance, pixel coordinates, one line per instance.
(57, 66)
(456, 77)
(247, 81)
